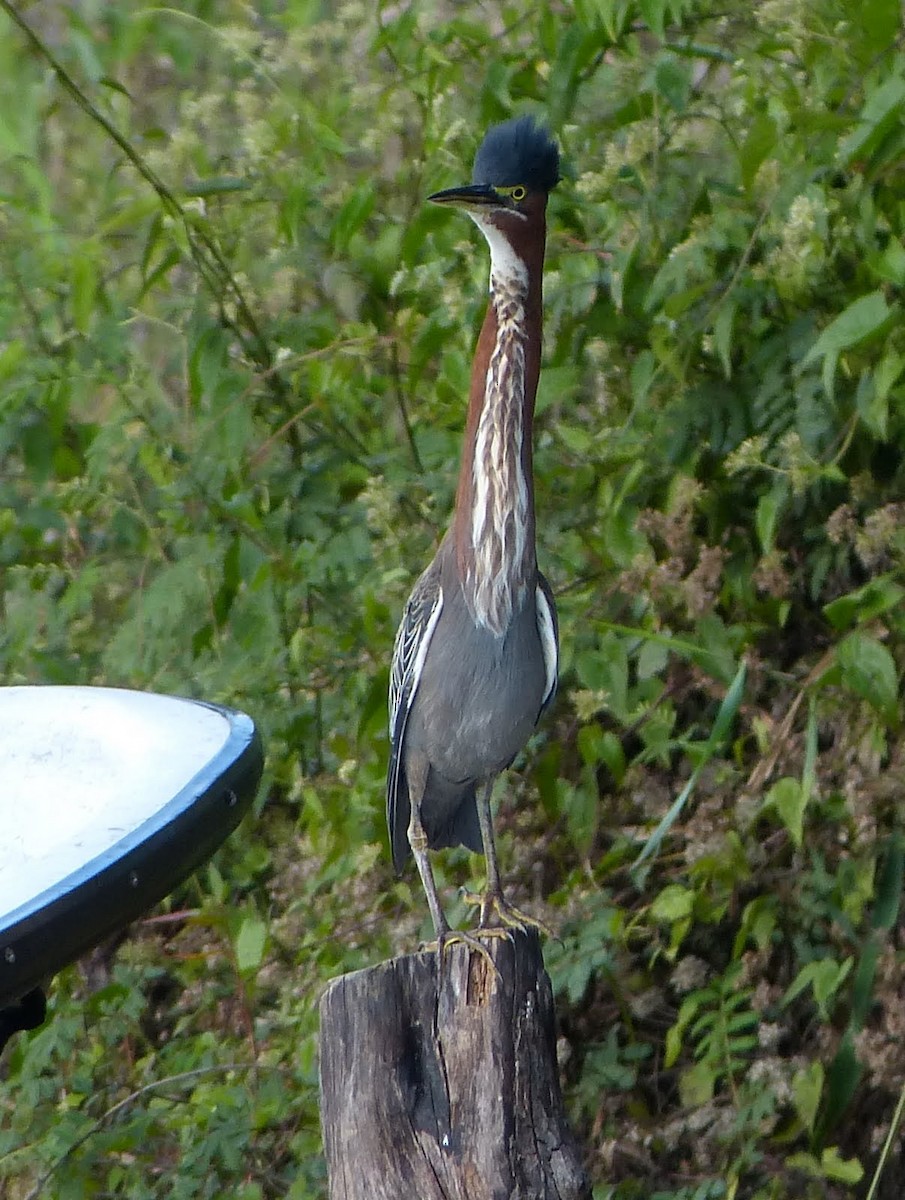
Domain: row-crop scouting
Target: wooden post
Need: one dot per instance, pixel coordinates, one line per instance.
(449, 1094)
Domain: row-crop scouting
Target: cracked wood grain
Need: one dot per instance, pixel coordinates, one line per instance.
(446, 1092)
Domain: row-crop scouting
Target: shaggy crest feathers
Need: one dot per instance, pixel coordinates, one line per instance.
(518, 152)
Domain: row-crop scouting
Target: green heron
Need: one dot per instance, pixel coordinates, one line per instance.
(475, 658)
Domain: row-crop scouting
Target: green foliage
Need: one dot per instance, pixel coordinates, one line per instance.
(234, 346)
(720, 1025)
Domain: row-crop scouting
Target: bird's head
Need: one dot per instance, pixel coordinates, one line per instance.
(515, 168)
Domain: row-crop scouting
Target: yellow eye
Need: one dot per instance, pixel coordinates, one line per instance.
(519, 193)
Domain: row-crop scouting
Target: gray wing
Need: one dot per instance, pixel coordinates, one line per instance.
(409, 652)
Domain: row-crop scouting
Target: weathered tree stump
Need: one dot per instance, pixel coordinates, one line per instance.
(449, 1094)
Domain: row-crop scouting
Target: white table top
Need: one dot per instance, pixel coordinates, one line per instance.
(81, 769)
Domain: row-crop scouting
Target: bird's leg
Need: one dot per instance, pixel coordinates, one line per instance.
(498, 916)
(445, 936)
(418, 842)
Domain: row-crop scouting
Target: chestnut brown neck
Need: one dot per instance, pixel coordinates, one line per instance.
(494, 527)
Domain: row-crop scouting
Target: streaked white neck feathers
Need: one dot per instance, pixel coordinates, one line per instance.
(502, 558)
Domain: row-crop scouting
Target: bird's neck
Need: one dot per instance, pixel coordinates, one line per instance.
(494, 524)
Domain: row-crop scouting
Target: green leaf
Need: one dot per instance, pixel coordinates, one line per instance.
(887, 372)
(250, 943)
(809, 769)
(866, 603)
(856, 322)
(862, 319)
(697, 1084)
(672, 79)
(11, 355)
(872, 406)
(83, 289)
(766, 516)
(883, 20)
(842, 1079)
(758, 924)
(867, 668)
(581, 806)
(890, 264)
(756, 147)
(216, 884)
(557, 386)
(828, 978)
(728, 708)
(807, 1086)
(606, 670)
(688, 1010)
(651, 660)
(576, 438)
(834, 1166)
(590, 744)
(717, 654)
(722, 335)
(641, 376)
(824, 976)
(889, 884)
(612, 756)
(863, 982)
(882, 109)
(352, 216)
(654, 13)
(612, 14)
(788, 799)
(206, 363)
(673, 903)
(601, 746)
(828, 1166)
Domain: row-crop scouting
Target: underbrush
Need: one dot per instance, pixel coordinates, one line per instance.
(234, 350)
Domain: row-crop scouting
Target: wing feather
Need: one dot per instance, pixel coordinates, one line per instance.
(413, 638)
(548, 628)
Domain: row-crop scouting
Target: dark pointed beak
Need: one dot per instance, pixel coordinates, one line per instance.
(472, 195)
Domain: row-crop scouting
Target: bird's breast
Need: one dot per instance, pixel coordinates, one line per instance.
(480, 693)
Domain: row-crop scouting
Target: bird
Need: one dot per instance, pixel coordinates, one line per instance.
(476, 655)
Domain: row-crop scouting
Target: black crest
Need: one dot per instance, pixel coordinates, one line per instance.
(518, 152)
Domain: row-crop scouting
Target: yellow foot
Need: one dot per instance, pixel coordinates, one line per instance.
(498, 917)
(449, 937)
